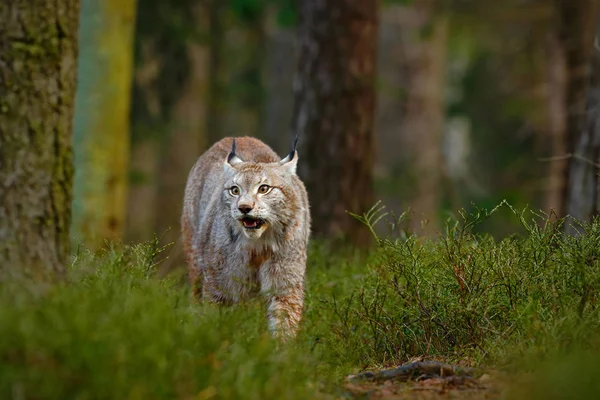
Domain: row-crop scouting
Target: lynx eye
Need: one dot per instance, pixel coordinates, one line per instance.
(264, 189)
(234, 190)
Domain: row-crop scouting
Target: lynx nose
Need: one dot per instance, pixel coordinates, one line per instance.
(245, 208)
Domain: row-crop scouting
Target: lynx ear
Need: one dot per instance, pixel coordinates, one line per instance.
(290, 162)
(232, 158)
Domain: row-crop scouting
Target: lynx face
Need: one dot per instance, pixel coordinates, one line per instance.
(256, 194)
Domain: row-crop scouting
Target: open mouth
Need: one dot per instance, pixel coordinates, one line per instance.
(252, 223)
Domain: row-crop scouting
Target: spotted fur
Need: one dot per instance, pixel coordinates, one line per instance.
(228, 263)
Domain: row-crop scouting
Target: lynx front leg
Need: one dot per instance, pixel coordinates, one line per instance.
(284, 293)
(284, 312)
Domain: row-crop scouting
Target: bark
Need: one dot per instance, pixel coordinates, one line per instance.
(38, 67)
(577, 25)
(101, 129)
(334, 111)
(426, 40)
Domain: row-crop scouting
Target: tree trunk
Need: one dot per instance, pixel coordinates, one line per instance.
(334, 111)
(38, 67)
(578, 19)
(583, 198)
(557, 124)
(425, 47)
(101, 129)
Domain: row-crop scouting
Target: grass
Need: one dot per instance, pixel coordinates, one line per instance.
(526, 304)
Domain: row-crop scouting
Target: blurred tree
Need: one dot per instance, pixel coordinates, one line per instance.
(101, 126)
(583, 195)
(169, 114)
(334, 111)
(246, 59)
(216, 89)
(556, 73)
(425, 45)
(38, 59)
(280, 64)
(578, 21)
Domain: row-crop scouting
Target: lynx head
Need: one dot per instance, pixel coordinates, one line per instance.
(260, 196)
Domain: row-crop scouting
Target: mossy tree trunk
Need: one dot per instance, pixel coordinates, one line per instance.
(334, 111)
(101, 129)
(38, 67)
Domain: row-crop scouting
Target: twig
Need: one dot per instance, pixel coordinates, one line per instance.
(571, 155)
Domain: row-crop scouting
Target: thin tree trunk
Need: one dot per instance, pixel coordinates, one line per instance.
(583, 199)
(101, 129)
(557, 124)
(578, 19)
(424, 113)
(38, 68)
(334, 111)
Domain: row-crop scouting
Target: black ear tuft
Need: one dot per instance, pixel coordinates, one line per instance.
(290, 156)
(295, 143)
(232, 152)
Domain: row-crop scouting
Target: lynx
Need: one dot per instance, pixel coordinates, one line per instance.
(245, 229)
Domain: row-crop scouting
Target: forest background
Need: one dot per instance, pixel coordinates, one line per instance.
(474, 102)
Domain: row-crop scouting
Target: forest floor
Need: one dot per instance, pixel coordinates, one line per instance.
(515, 318)
(426, 389)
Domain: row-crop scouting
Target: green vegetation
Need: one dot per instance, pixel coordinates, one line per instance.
(117, 330)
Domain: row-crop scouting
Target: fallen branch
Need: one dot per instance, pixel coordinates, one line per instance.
(414, 370)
